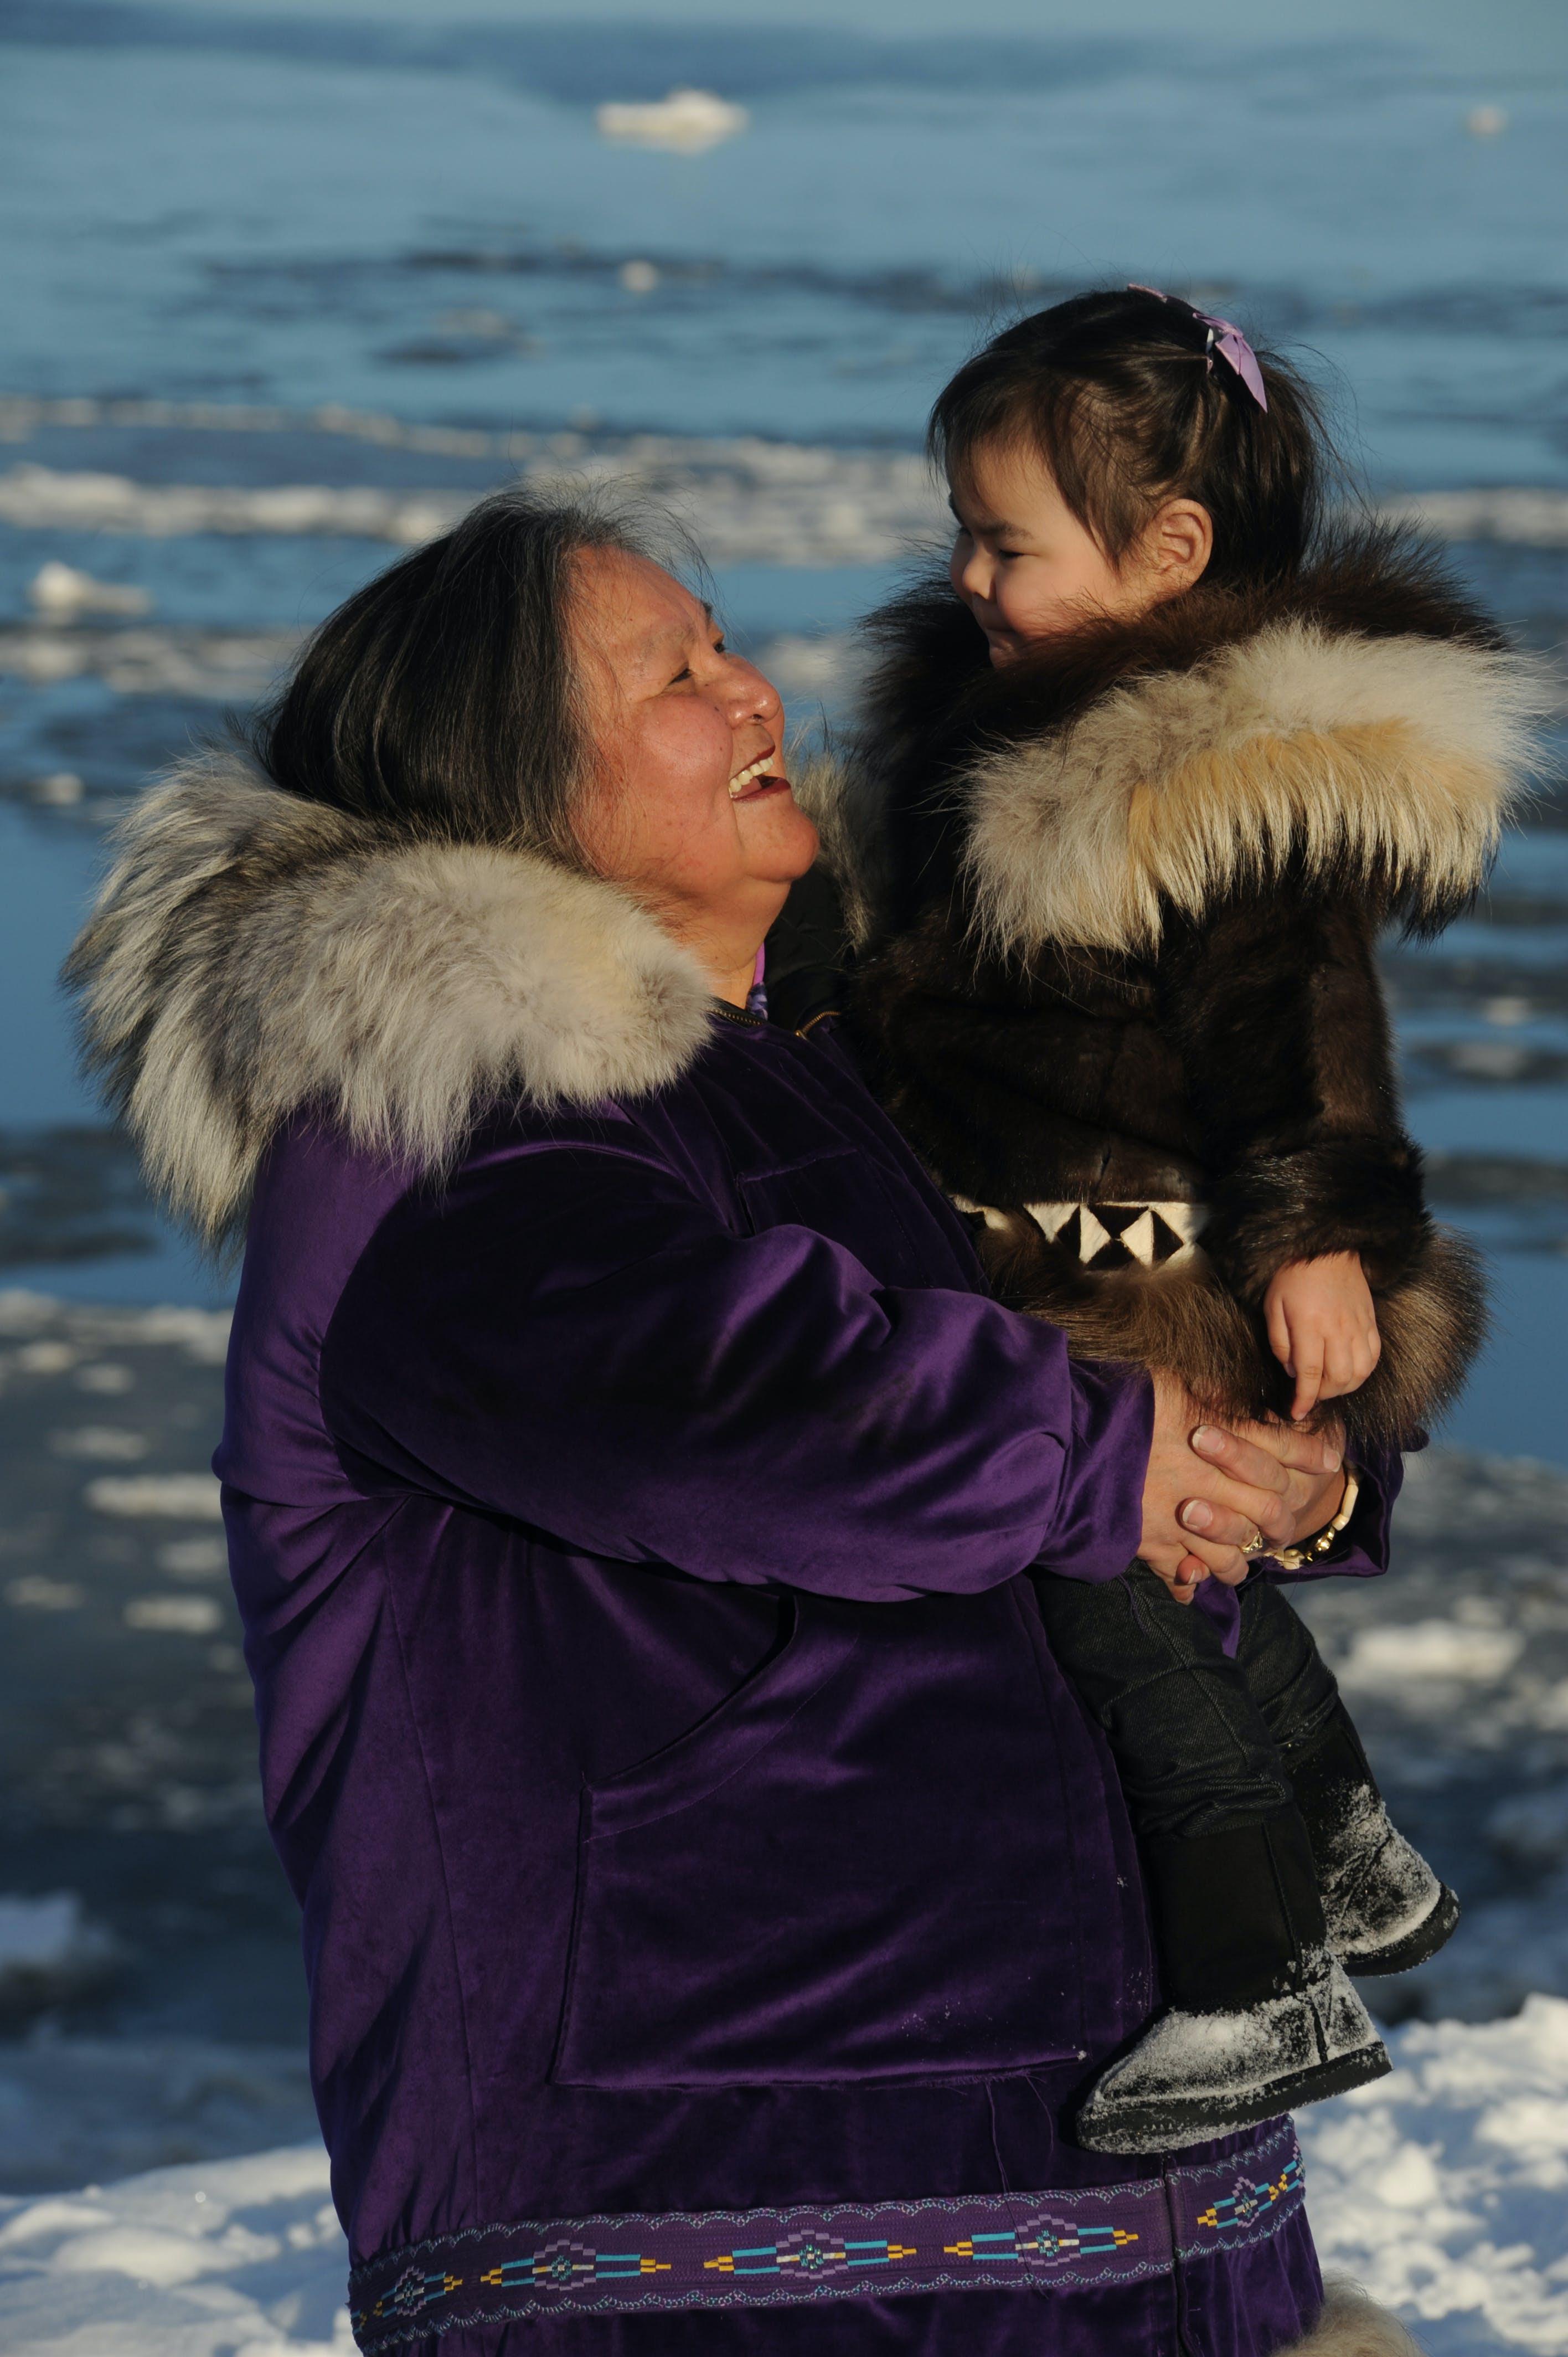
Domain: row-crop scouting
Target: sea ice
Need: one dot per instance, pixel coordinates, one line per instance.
(63, 593)
(688, 121)
(181, 1497)
(1443, 2189)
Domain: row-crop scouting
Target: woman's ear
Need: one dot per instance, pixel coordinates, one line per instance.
(1178, 544)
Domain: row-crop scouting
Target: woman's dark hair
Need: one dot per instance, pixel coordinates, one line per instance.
(441, 696)
(1115, 392)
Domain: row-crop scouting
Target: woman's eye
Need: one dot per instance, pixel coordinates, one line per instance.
(684, 673)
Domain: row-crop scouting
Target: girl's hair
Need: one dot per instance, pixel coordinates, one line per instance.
(1115, 392)
(443, 697)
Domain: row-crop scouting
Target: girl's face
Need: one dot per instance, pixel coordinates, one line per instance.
(1029, 571)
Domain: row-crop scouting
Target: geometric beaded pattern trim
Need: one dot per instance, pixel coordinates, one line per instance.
(1227, 2204)
(1106, 1237)
(1076, 2238)
(1120, 1236)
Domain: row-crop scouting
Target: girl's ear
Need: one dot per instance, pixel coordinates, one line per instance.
(1178, 542)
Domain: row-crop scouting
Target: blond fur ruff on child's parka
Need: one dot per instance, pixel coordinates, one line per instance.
(1118, 907)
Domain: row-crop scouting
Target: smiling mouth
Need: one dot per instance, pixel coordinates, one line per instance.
(758, 778)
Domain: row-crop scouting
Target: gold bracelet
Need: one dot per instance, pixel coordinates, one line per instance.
(1312, 1550)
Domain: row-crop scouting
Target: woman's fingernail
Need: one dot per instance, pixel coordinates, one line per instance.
(1197, 1514)
(1207, 1441)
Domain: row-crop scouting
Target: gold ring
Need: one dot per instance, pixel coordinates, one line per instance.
(1253, 1546)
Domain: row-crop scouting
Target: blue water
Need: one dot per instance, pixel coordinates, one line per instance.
(406, 210)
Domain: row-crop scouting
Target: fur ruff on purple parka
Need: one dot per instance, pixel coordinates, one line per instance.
(631, 1491)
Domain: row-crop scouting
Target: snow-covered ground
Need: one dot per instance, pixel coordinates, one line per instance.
(1444, 2191)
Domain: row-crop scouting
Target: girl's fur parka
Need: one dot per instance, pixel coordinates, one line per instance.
(1118, 907)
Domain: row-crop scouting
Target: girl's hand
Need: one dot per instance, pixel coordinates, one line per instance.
(1322, 1327)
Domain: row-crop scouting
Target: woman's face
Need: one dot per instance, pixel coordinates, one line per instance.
(689, 804)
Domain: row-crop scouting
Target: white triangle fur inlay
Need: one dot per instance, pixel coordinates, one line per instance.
(1139, 1238)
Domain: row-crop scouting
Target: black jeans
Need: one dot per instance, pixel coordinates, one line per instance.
(1202, 1742)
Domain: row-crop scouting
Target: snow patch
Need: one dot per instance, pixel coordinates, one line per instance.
(238, 2258)
(1442, 2188)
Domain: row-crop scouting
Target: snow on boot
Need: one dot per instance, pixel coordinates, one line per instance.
(1384, 1907)
(1196, 2076)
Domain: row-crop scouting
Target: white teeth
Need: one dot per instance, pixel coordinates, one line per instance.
(743, 778)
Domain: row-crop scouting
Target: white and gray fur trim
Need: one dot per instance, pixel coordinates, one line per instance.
(1399, 755)
(843, 801)
(252, 953)
(1352, 2325)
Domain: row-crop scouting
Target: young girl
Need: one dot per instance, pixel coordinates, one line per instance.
(1140, 782)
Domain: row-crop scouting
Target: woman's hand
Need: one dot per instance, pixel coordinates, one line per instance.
(1209, 1491)
(1322, 1327)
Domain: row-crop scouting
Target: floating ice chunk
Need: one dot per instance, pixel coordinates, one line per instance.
(688, 120)
(194, 1558)
(46, 1949)
(61, 592)
(22, 1312)
(46, 1357)
(38, 1932)
(109, 1443)
(34, 1592)
(175, 1616)
(1388, 1658)
(1534, 518)
(180, 1497)
(148, 662)
(638, 277)
(1485, 122)
(59, 790)
(39, 497)
(204, 1333)
(105, 1378)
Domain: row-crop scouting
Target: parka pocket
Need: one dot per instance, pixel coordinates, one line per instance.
(855, 1868)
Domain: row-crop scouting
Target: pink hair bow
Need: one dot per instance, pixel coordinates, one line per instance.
(1226, 339)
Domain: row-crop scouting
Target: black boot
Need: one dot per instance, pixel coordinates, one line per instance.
(1384, 1907)
(1260, 2018)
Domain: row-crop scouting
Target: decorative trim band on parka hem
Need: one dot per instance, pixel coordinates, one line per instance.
(1078, 2238)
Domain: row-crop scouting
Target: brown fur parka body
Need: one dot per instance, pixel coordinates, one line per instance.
(1118, 906)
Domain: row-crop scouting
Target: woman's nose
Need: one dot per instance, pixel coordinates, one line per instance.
(748, 695)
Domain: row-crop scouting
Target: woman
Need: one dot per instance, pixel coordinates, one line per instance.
(712, 1895)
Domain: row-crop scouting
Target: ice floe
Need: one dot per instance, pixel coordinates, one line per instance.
(688, 121)
(204, 664)
(746, 501)
(181, 1497)
(60, 591)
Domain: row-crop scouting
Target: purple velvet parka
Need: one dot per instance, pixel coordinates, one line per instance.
(715, 1899)
(633, 1539)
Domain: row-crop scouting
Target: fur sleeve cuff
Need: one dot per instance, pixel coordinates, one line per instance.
(1344, 1194)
